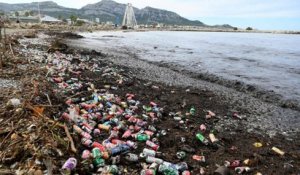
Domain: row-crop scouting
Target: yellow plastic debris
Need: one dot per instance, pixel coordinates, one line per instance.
(257, 144)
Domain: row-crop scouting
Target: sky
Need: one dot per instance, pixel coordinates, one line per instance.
(260, 14)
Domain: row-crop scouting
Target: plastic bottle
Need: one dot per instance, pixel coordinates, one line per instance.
(202, 139)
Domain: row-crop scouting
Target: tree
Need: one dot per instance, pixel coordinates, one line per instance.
(235, 28)
(73, 19)
(59, 17)
(249, 28)
(31, 13)
(17, 13)
(26, 14)
(80, 23)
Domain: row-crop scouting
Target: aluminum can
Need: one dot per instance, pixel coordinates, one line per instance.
(86, 154)
(119, 149)
(98, 145)
(96, 152)
(149, 152)
(131, 157)
(131, 144)
(151, 159)
(70, 164)
(126, 134)
(86, 142)
(199, 158)
(152, 145)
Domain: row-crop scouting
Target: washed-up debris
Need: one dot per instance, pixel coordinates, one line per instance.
(82, 117)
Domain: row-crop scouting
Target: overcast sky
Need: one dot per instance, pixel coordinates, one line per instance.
(262, 14)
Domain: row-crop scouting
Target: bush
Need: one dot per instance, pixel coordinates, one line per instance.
(249, 28)
(80, 23)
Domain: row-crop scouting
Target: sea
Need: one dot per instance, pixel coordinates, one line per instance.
(265, 60)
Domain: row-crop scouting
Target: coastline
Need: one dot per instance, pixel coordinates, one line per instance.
(263, 109)
(176, 92)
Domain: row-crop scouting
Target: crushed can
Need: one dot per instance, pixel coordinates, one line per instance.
(119, 149)
(149, 152)
(98, 145)
(86, 142)
(148, 172)
(126, 134)
(202, 127)
(152, 145)
(181, 155)
(167, 170)
(186, 173)
(131, 144)
(69, 165)
(142, 137)
(241, 170)
(99, 162)
(232, 164)
(104, 127)
(202, 139)
(149, 133)
(111, 169)
(182, 166)
(96, 152)
(86, 154)
(86, 135)
(150, 159)
(131, 157)
(199, 158)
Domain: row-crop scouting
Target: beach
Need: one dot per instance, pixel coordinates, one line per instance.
(240, 119)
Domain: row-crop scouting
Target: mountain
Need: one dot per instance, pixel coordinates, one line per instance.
(105, 10)
(47, 7)
(112, 11)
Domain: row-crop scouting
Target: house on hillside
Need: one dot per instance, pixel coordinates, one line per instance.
(50, 20)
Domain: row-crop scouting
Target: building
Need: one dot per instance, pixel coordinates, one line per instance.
(50, 20)
(23, 19)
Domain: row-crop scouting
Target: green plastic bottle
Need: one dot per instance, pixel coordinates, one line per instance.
(202, 139)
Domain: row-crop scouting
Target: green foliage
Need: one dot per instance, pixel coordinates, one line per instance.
(26, 14)
(73, 19)
(249, 28)
(17, 13)
(80, 23)
(31, 13)
(235, 28)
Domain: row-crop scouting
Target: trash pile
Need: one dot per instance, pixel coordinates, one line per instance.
(111, 128)
(95, 123)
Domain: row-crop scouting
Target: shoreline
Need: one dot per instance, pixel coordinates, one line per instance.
(140, 79)
(260, 112)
